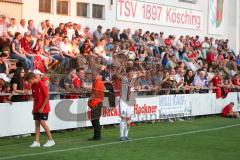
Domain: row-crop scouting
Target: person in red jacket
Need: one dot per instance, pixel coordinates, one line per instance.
(41, 108)
(95, 103)
(228, 111)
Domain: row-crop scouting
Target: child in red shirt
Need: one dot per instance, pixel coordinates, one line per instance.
(41, 108)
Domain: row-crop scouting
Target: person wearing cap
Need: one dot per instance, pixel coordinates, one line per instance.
(38, 74)
(228, 111)
(95, 103)
(41, 109)
(97, 35)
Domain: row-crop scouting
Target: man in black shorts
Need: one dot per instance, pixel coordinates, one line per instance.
(41, 108)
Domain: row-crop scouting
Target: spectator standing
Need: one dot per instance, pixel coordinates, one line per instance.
(97, 35)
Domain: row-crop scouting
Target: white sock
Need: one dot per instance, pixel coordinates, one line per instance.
(126, 130)
(122, 128)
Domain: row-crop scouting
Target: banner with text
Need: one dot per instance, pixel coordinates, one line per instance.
(157, 14)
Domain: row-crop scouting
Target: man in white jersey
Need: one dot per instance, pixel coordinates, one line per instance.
(127, 101)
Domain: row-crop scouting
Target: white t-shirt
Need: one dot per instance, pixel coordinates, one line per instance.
(22, 29)
(179, 44)
(3, 28)
(99, 50)
(178, 78)
(70, 33)
(205, 45)
(12, 29)
(41, 30)
(65, 47)
(80, 32)
(199, 82)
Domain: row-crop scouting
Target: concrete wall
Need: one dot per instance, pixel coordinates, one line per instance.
(231, 25)
(11, 9)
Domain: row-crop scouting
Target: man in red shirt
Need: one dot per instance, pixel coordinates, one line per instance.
(228, 111)
(217, 84)
(95, 103)
(41, 108)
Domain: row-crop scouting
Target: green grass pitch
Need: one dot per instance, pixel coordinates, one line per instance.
(208, 138)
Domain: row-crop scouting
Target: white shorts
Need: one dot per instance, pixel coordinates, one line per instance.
(125, 109)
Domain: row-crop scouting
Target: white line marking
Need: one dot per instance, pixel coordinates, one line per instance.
(117, 142)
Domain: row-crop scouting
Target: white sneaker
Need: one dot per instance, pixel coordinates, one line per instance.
(35, 144)
(49, 143)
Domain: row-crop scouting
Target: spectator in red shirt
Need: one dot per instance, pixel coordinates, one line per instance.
(168, 41)
(236, 83)
(41, 108)
(217, 84)
(210, 57)
(197, 43)
(220, 57)
(228, 111)
(38, 51)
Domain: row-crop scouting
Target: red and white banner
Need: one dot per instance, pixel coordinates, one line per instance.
(216, 17)
(157, 14)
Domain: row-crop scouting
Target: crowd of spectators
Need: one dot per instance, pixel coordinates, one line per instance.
(69, 52)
